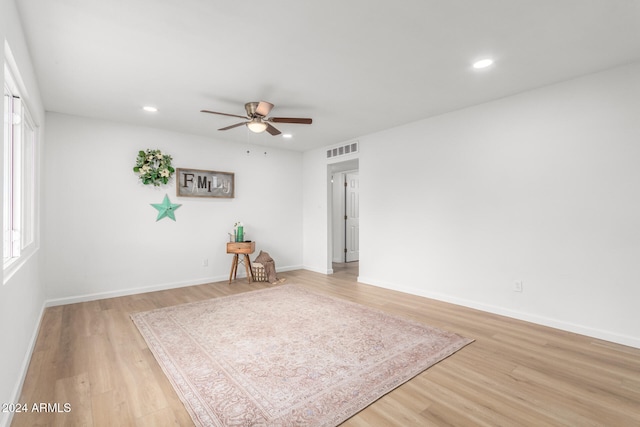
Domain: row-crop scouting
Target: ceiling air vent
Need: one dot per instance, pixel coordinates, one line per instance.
(342, 150)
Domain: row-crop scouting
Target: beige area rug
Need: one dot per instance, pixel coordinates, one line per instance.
(285, 356)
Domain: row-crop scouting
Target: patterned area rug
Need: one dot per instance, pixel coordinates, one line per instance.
(285, 356)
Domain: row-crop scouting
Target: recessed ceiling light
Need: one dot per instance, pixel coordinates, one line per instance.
(483, 63)
(287, 135)
(150, 109)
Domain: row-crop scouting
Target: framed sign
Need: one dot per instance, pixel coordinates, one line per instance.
(202, 183)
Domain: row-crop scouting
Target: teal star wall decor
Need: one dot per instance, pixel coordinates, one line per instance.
(165, 209)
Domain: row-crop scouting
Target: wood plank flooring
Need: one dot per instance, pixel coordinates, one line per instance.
(91, 356)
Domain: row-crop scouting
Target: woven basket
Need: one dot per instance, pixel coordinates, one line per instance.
(259, 274)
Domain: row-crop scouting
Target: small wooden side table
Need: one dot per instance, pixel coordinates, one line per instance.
(237, 249)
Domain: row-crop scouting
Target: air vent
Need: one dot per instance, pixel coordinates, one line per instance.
(342, 150)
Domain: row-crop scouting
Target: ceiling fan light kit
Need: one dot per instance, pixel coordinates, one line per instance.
(256, 125)
(257, 120)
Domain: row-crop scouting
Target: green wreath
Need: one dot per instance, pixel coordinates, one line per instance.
(153, 167)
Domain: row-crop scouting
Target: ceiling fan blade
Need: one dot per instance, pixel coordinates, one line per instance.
(301, 121)
(264, 108)
(233, 126)
(273, 131)
(223, 114)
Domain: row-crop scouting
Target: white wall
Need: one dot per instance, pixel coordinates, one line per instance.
(543, 188)
(316, 215)
(21, 295)
(100, 233)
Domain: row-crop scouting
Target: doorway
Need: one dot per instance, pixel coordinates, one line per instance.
(344, 209)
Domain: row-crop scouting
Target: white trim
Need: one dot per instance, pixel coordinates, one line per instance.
(317, 270)
(144, 289)
(14, 264)
(527, 317)
(15, 85)
(12, 66)
(17, 388)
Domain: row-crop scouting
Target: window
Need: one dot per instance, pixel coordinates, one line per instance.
(19, 175)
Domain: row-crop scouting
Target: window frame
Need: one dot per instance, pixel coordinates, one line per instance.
(20, 175)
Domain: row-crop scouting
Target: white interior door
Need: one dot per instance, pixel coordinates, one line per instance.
(352, 216)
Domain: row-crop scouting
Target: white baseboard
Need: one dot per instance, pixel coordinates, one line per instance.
(318, 270)
(130, 291)
(290, 268)
(6, 418)
(152, 288)
(527, 317)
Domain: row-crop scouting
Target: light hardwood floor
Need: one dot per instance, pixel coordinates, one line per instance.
(514, 374)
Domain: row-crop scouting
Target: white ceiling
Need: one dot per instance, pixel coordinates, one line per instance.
(354, 66)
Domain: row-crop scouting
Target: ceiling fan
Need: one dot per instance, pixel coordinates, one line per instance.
(257, 120)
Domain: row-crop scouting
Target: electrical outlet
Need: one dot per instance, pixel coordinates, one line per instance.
(205, 262)
(517, 286)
